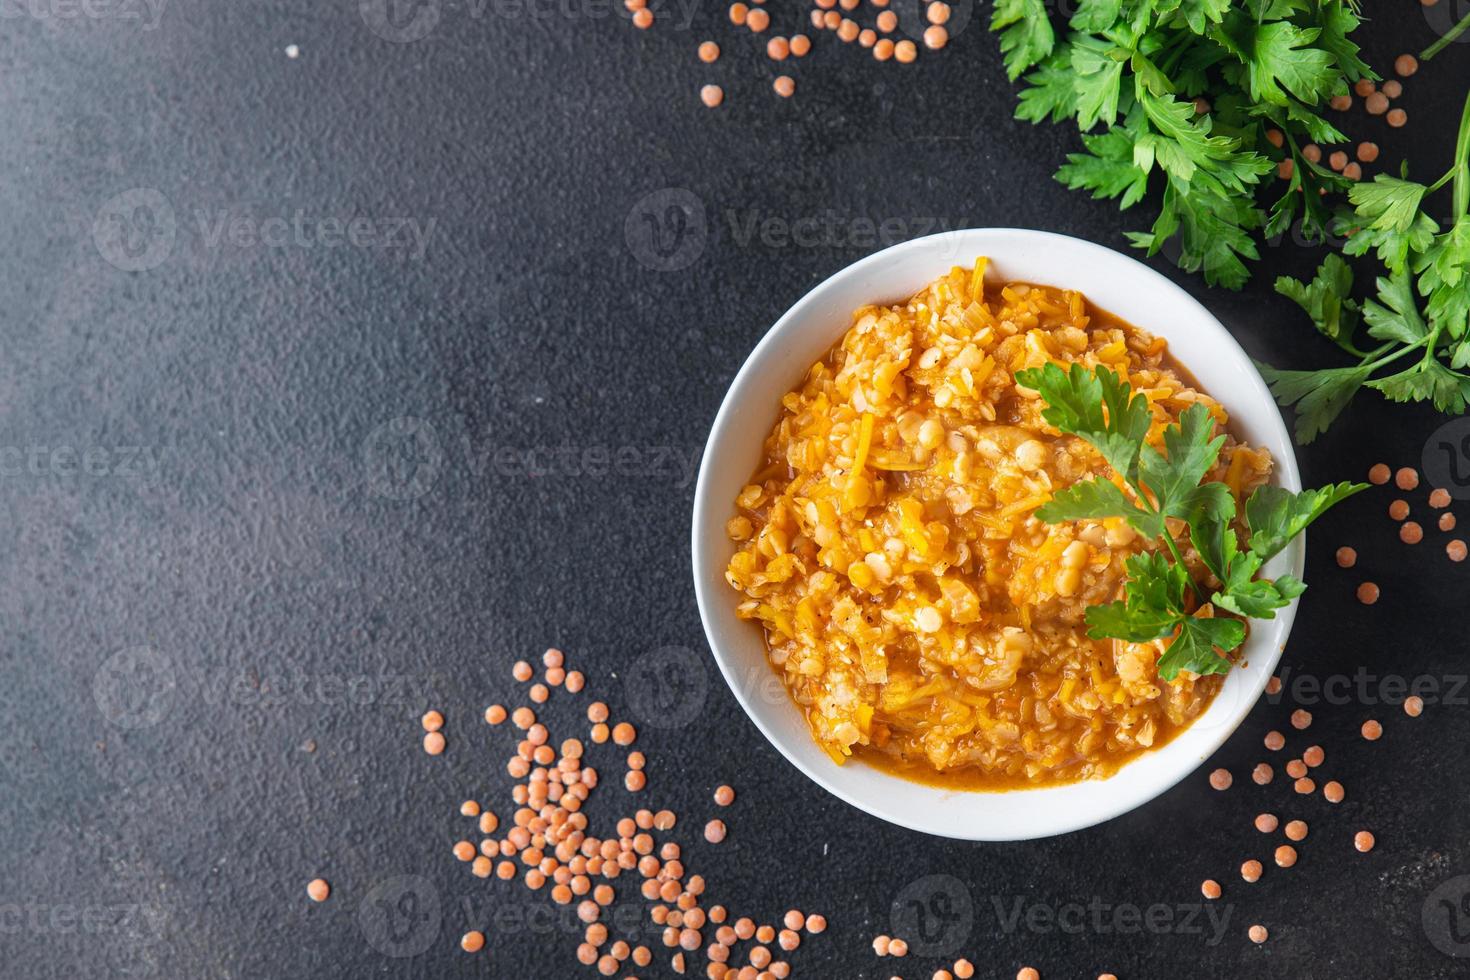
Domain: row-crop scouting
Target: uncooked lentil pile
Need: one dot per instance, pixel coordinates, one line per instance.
(841, 17)
(549, 846)
(1377, 99)
(1406, 479)
(1295, 830)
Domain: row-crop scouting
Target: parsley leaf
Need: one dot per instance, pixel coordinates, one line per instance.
(1327, 299)
(1095, 406)
(1101, 408)
(1026, 35)
(1276, 516)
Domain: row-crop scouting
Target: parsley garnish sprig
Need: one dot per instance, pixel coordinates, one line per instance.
(1422, 305)
(1161, 598)
(1130, 71)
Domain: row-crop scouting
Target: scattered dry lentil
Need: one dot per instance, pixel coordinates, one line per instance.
(1275, 741)
(1372, 730)
(1398, 510)
(1413, 706)
(1285, 856)
(472, 942)
(1314, 756)
(1363, 841)
(1379, 473)
(1251, 871)
(1262, 773)
(1446, 522)
(1368, 593)
(318, 890)
(1221, 779)
(1346, 557)
(1411, 533)
(1296, 830)
(1406, 478)
(1210, 888)
(1301, 719)
(1455, 549)
(1304, 786)
(434, 743)
(1258, 934)
(1267, 823)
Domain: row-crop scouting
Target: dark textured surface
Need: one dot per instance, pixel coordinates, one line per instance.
(271, 568)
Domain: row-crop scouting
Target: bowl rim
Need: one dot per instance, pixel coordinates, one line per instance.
(706, 509)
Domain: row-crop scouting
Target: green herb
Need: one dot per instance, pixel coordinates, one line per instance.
(1130, 71)
(1421, 307)
(1101, 409)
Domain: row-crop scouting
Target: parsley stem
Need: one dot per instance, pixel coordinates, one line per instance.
(1461, 168)
(1179, 560)
(1447, 40)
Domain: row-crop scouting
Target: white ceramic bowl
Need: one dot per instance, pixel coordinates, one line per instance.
(1114, 282)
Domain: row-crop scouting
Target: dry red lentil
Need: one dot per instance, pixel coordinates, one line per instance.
(1251, 871)
(1285, 856)
(434, 743)
(1439, 498)
(1372, 730)
(1455, 549)
(1379, 473)
(1398, 510)
(1301, 719)
(1414, 706)
(1368, 593)
(1262, 774)
(1275, 741)
(1296, 830)
(1411, 533)
(1210, 888)
(1346, 557)
(1304, 786)
(1258, 934)
(1363, 841)
(1273, 685)
(1446, 522)
(1406, 478)
(1221, 779)
(1296, 768)
(318, 890)
(1266, 823)
(1314, 756)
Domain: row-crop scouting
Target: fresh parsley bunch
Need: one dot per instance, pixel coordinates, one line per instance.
(1136, 67)
(1161, 598)
(1421, 308)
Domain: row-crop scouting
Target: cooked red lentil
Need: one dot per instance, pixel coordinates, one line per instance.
(916, 609)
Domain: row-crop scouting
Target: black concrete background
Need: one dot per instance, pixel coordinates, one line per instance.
(264, 503)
